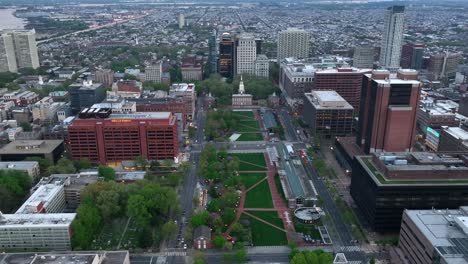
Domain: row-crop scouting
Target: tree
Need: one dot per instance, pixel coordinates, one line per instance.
(240, 256)
(14, 186)
(107, 173)
(63, 166)
(199, 219)
(129, 77)
(138, 209)
(86, 224)
(108, 202)
(168, 229)
(145, 238)
(219, 242)
(229, 215)
(82, 164)
(26, 126)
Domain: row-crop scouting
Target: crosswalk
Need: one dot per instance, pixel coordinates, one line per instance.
(349, 249)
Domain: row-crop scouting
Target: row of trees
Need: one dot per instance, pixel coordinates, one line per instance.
(220, 123)
(223, 90)
(310, 257)
(14, 186)
(148, 204)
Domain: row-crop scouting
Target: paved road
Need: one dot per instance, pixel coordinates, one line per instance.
(291, 132)
(191, 178)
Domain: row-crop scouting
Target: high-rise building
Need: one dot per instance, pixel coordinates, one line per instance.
(154, 72)
(227, 56)
(384, 184)
(7, 54)
(101, 136)
(387, 112)
(463, 105)
(364, 57)
(345, 81)
(444, 65)
(392, 38)
(327, 113)
(262, 66)
(104, 76)
(85, 95)
(433, 236)
(212, 53)
(18, 49)
(453, 139)
(246, 54)
(412, 56)
(293, 42)
(181, 21)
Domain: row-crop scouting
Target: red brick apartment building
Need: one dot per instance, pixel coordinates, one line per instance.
(100, 136)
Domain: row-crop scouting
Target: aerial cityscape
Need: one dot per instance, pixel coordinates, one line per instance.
(212, 131)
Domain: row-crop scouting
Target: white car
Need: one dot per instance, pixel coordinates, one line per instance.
(185, 246)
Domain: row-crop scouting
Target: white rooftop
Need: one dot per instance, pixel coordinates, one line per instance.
(327, 100)
(36, 220)
(458, 133)
(45, 194)
(182, 87)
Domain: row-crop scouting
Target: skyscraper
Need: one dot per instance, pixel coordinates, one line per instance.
(18, 49)
(412, 55)
(392, 38)
(181, 21)
(212, 53)
(388, 109)
(293, 42)
(262, 66)
(246, 54)
(444, 64)
(364, 57)
(7, 54)
(227, 57)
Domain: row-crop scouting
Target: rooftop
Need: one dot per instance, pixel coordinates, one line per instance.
(142, 115)
(182, 87)
(43, 195)
(458, 133)
(327, 100)
(36, 220)
(18, 165)
(447, 168)
(439, 107)
(76, 257)
(31, 147)
(445, 230)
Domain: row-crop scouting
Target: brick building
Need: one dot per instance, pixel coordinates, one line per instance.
(345, 81)
(111, 138)
(387, 115)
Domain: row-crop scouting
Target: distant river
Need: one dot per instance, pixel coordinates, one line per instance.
(9, 21)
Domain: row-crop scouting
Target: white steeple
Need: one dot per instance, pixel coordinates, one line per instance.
(241, 86)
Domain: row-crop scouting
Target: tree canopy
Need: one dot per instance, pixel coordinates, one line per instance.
(14, 186)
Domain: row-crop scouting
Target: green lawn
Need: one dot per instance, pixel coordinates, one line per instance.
(250, 137)
(307, 230)
(279, 188)
(244, 114)
(247, 126)
(271, 217)
(249, 179)
(111, 233)
(265, 235)
(254, 158)
(259, 197)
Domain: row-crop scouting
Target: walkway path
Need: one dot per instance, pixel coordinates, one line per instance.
(265, 222)
(260, 209)
(254, 164)
(256, 184)
(240, 210)
(278, 202)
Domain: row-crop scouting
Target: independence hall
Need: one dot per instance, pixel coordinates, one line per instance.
(99, 135)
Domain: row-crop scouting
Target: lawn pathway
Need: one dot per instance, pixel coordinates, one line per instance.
(278, 202)
(239, 211)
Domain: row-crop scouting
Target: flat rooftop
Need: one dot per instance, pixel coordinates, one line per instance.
(77, 257)
(442, 230)
(439, 107)
(182, 87)
(458, 133)
(31, 147)
(327, 100)
(18, 165)
(36, 220)
(416, 161)
(44, 194)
